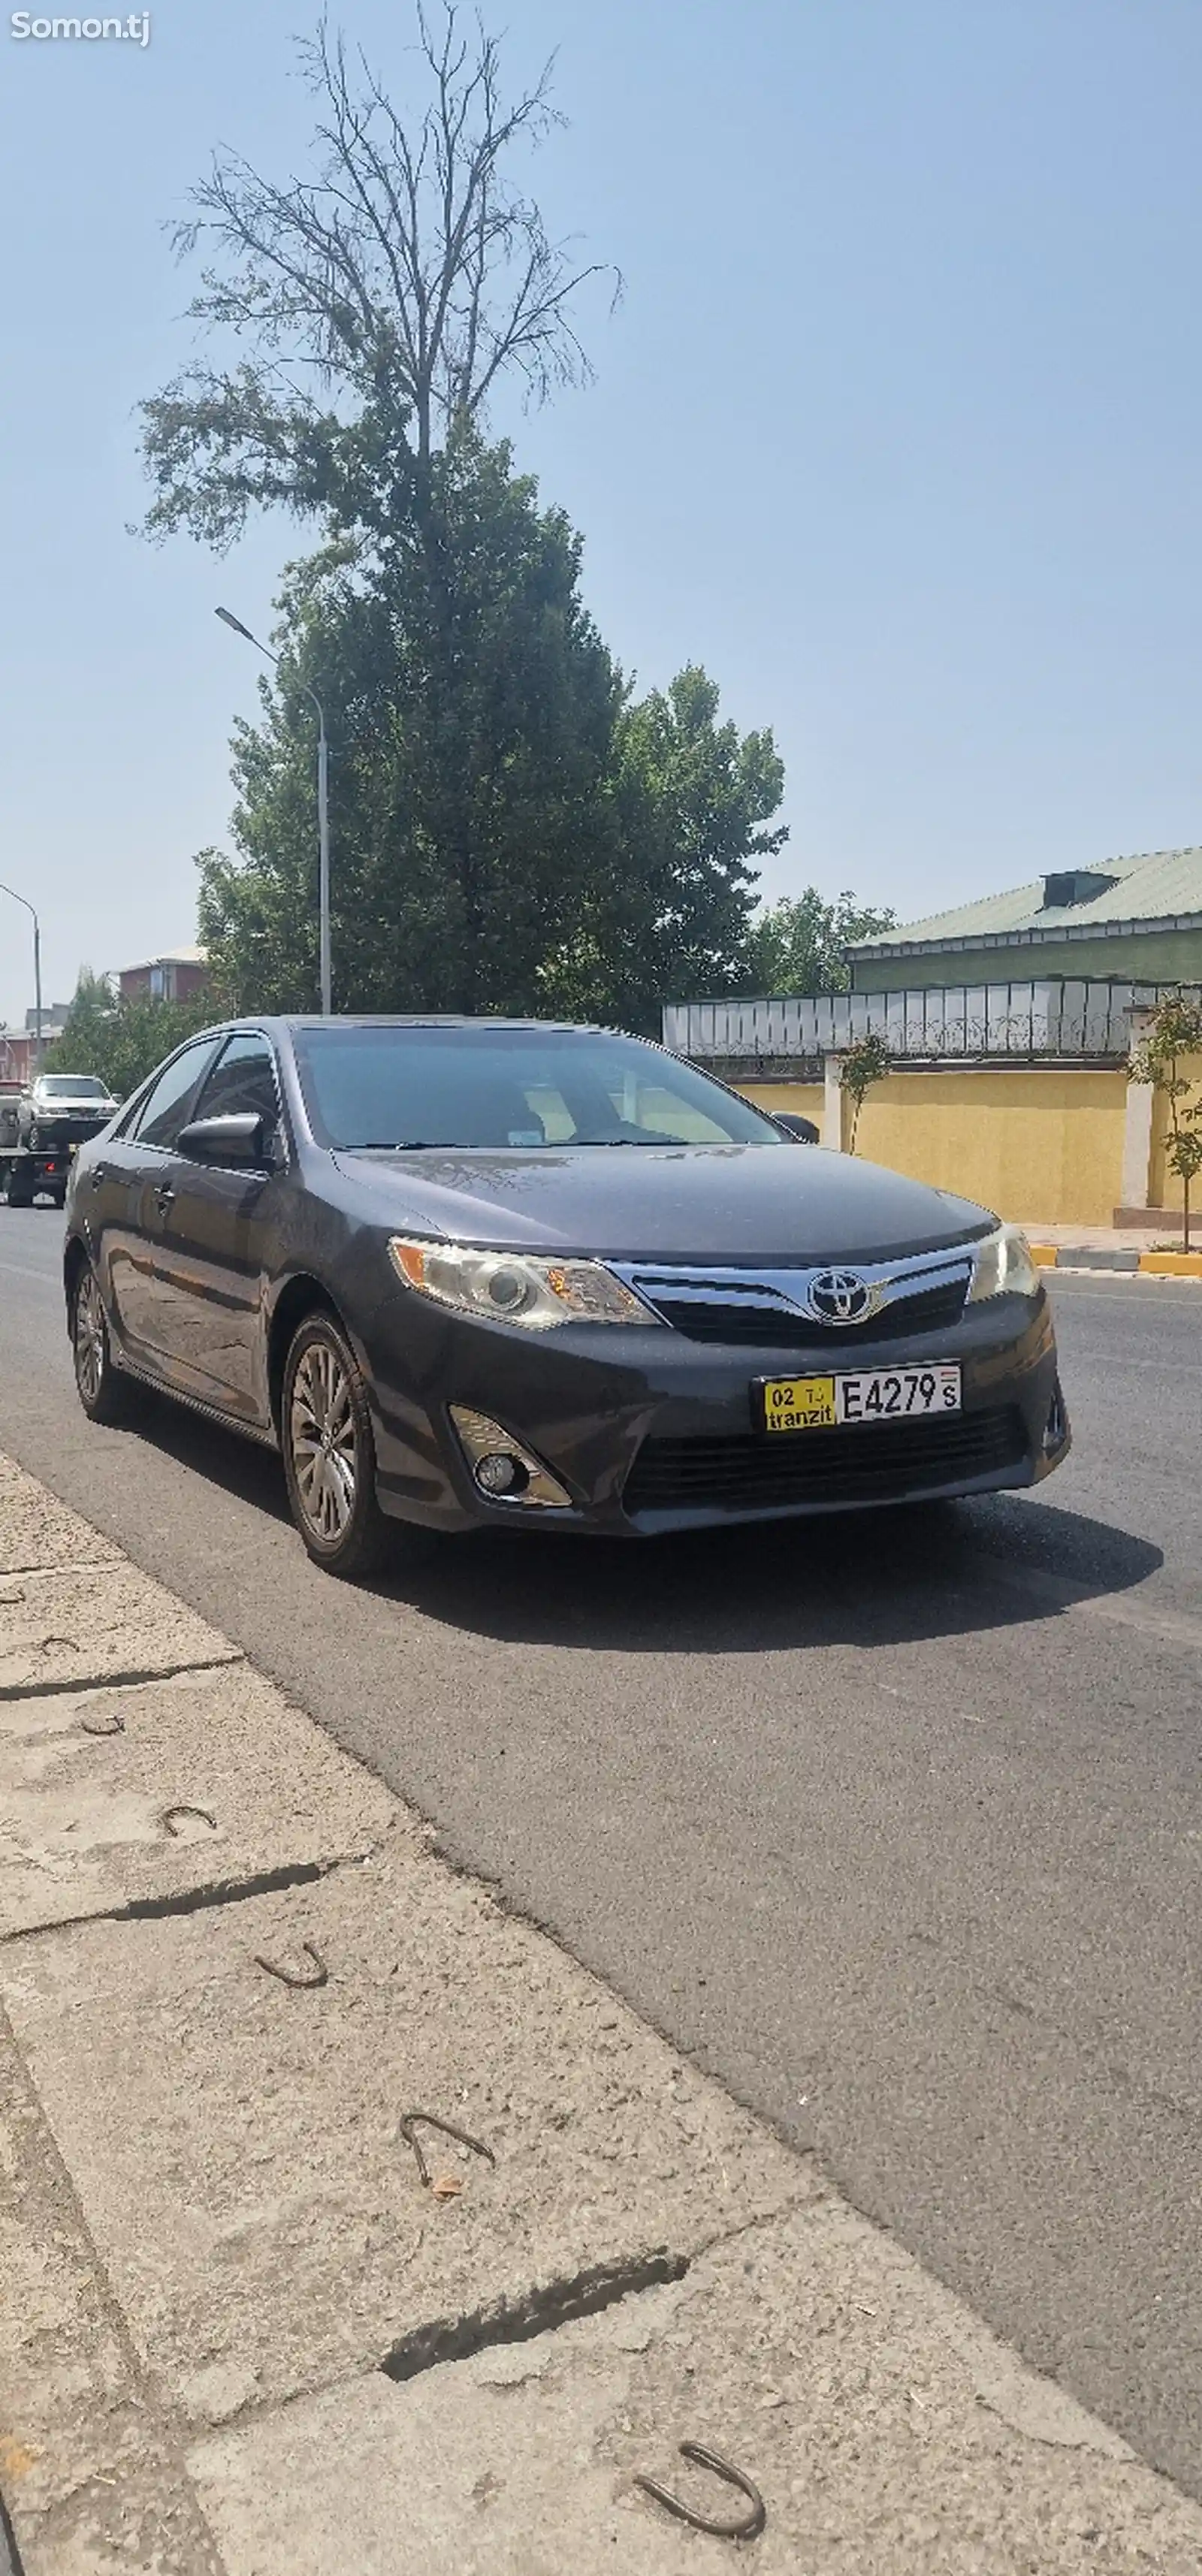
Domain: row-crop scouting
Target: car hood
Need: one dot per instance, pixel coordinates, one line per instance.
(730, 1204)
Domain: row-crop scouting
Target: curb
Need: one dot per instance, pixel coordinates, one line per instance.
(1065, 1256)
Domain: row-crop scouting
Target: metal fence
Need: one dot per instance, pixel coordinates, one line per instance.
(1060, 1017)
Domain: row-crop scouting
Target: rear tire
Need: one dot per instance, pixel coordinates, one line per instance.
(20, 1187)
(106, 1396)
(329, 1452)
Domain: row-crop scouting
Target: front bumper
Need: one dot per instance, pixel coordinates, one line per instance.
(650, 1432)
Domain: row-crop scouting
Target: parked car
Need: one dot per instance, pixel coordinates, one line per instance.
(473, 1272)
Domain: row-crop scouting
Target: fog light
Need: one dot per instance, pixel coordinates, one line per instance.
(1056, 1427)
(503, 1467)
(498, 1473)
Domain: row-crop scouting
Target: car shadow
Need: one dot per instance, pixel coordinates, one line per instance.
(876, 1578)
(883, 1577)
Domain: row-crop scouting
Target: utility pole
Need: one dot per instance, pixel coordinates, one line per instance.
(37, 972)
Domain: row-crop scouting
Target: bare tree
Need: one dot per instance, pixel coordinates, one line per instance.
(391, 292)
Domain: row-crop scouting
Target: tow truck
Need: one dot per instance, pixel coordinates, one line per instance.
(42, 1125)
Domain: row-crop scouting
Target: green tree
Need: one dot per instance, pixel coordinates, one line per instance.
(469, 816)
(508, 831)
(691, 802)
(797, 944)
(865, 1064)
(122, 1041)
(1159, 1057)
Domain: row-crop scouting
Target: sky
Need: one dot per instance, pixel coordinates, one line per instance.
(896, 428)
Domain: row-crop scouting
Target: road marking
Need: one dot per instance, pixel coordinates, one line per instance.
(1124, 1610)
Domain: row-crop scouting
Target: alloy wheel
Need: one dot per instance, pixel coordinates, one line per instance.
(90, 1348)
(324, 1442)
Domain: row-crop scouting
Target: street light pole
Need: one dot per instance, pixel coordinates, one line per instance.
(37, 973)
(323, 814)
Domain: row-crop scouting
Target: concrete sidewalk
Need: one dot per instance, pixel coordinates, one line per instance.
(243, 2334)
(1108, 1247)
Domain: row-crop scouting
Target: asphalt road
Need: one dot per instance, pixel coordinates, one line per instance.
(894, 1824)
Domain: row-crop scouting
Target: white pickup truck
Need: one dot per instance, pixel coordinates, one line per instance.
(41, 1127)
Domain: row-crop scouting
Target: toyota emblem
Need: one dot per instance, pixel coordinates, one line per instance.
(841, 1297)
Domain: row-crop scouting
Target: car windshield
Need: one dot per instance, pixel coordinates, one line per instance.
(496, 1087)
(71, 1086)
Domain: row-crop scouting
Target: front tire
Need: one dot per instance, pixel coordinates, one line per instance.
(330, 1453)
(106, 1396)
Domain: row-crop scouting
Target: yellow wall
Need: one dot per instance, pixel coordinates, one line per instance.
(804, 1099)
(1039, 1144)
(1164, 1187)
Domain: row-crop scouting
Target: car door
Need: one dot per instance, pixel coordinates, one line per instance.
(119, 1199)
(211, 1255)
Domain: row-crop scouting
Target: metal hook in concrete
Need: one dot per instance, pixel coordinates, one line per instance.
(169, 1814)
(321, 1977)
(750, 2525)
(432, 2121)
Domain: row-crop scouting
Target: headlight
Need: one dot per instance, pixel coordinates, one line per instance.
(1003, 1266)
(512, 1288)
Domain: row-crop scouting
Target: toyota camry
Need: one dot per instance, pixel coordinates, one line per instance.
(463, 1272)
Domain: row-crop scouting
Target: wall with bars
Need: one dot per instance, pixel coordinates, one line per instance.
(1052, 1017)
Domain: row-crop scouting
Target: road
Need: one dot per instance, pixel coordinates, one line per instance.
(896, 1826)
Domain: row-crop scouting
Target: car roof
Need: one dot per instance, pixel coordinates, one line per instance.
(426, 1020)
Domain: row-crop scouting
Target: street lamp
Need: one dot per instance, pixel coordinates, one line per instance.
(323, 810)
(37, 972)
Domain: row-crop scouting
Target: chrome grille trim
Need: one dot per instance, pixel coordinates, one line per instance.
(768, 1293)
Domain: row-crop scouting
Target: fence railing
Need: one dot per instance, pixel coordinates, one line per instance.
(1058, 1017)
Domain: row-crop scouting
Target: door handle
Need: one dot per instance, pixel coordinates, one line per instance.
(98, 1174)
(163, 1197)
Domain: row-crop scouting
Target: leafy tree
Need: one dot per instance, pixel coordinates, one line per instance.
(865, 1063)
(1173, 1035)
(467, 821)
(508, 831)
(122, 1041)
(691, 802)
(797, 945)
(380, 304)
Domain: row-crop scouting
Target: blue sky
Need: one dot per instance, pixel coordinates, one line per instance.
(897, 428)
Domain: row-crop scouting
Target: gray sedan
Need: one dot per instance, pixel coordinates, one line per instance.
(472, 1272)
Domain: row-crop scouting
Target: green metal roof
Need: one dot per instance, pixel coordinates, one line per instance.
(1162, 889)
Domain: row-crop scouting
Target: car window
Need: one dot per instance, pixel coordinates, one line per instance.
(71, 1086)
(488, 1086)
(242, 1079)
(168, 1103)
(656, 1110)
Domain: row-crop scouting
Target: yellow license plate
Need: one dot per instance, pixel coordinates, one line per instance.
(798, 1403)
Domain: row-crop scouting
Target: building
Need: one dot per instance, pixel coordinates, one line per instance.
(17, 1045)
(176, 976)
(1126, 921)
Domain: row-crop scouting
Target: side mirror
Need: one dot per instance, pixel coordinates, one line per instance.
(240, 1137)
(802, 1131)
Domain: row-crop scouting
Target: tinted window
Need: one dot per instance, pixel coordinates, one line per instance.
(498, 1087)
(168, 1103)
(71, 1086)
(243, 1078)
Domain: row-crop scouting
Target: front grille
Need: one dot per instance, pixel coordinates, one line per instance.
(881, 1462)
(780, 1328)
